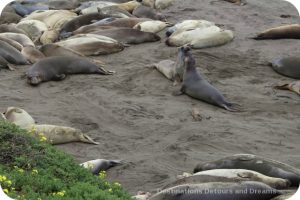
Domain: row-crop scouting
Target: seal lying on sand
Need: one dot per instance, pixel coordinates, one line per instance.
(23, 10)
(294, 86)
(195, 86)
(24, 40)
(230, 175)
(147, 12)
(8, 17)
(60, 134)
(291, 31)
(129, 35)
(259, 164)
(56, 69)
(154, 26)
(32, 54)
(99, 165)
(92, 44)
(289, 66)
(218, 191)
(19, 117)
(11, 54)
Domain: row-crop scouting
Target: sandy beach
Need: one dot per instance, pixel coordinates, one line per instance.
(135, 117)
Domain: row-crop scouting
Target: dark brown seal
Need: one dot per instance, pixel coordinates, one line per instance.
(291, 31)
(56, 69)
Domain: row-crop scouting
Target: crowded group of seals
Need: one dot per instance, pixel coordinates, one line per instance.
(110, 28)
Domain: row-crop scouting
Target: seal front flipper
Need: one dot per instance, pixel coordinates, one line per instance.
(59, 77)
(85, 138)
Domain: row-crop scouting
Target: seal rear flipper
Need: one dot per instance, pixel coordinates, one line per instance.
(231, 107)
(59, 77)
(103, 71)
(11, 67)
(85, 138)
(116, 163)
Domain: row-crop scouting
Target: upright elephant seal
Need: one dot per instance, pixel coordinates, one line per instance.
(56, 69)
(11, 54)
(129, 35)
(19, 117)
(99, 165)
(60, 134)
(291, 31)
(195, 86)
(251, 190)
(259, 164)
(289, 66)
(230, 175)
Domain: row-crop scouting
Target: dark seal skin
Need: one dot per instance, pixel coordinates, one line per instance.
(56, 68)
(78, 22)
(291, 31)
(11, 54)
(147, 12)
(129, 35)
(9, 17)
(289, 66)
(259, 164)
(24, 10)
(248, 190)
(195, 86)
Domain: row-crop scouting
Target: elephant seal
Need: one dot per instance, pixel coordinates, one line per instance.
(115, 11)
(92, 45)
(293, 86)
(289, 66)
(218, 190)
(129, 35)
(259, 164)
(11, 54)
(10, 28)
(33, 28)
(32, 54)
(230, 175)
(79, 21)
(126, 22)
(188, 25)
(12, 43)
(173, 70)
(154, 26)
(142, 195)
(9, 17)
(4, 63)
(60, 134)
(162, 4)
(287, 196)
(56, 69)
(93, 6)
(291, 31)
(50, 50)
(24, 10)
(195, 86)
(98, 165)
(62, 4)
(147, 12)
(24, 40)
(19, 117)
(129, 6)
(90, 29)
(49, 36)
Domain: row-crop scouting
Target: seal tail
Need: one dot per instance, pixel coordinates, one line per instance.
(232, 107)
(103, 71)
(88, 139)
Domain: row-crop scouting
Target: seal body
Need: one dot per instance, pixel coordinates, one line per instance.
(11, 54)
(33, 28)
(19, 117)
(99, 165)
(24, 40)
(167, 68)
(92, 44)
(289, 66)
(187, 25)
(32, 54)
(56, 68)
(162, 4)
(154, 26)
(60, 134)
(262, 165)
(195, 86)
(129, 36)
(9, 17)
(23, 10)
(10, 28)
(12, 43)
(291, 31)
(208, 191)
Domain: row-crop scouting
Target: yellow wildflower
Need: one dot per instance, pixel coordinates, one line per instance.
(117, 184)
(5, 190)
(34, 171)
(109, 190)
(8, 182)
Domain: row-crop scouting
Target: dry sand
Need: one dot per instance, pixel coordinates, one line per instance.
(135, 117)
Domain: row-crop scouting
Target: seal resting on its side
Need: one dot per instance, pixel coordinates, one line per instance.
(99, 165)
(289, 66)
(56, 68)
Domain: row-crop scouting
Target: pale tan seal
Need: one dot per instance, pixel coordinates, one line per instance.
(32, 54)
(60, 134)
(287, 66)
(33, 28)
(291, 31)
(128, 6)
(24, 40)
(92, 45)
(49, 36)
(188, 25)
(147, 12)
(98, 165)
(154, 26)
(19, 117)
